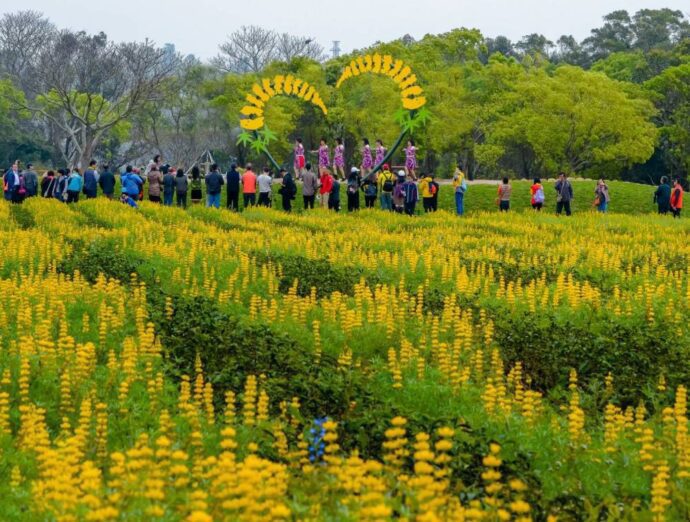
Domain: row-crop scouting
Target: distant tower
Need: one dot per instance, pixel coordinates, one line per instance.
(335, 51)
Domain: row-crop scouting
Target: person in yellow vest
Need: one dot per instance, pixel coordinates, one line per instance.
(386, 183)
(425, 191)
(677, 198)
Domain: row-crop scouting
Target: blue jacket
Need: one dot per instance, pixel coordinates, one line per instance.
(75, 182)
(233, 181)
(411, 192)
(90, 182)
(11, 180)
(131, 184)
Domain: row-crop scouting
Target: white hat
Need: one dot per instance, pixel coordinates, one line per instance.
(401, 173)
(354, 169)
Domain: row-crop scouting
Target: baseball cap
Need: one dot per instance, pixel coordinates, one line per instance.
(354, 169)
(401, 173)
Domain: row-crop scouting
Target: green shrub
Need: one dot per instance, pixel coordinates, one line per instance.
(96, 257)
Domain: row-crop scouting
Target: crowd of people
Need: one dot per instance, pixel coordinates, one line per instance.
(399, 191)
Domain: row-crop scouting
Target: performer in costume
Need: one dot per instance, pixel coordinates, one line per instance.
(380, 152)
(367, 160)
(299, 158)
(324, 157)
(411, 159)
(339, 158)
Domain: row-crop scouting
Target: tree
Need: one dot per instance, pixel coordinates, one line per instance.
(616, 35)
(252, 48)
(86, 86)
(535, 44)
(659, 29)
(500, 44)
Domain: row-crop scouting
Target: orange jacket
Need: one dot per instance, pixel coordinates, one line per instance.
(677, 197)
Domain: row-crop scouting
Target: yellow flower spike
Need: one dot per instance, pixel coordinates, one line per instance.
(412, 104)
(256, 89)
(386, 64)
(303, 90)
(254, 101)
(406, 71)
(278, 82)
(376, 66)
(310, 93)
(410, 92)
(347, 74)
(287, 85)
(251, 110)
(354, 68)
(266, 83)
(368, 63)
(252, 124)
(361, 65)
(409, 81)
(396, 68)
(296, 83)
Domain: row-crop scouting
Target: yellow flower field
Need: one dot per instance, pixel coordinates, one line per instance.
(203, 365)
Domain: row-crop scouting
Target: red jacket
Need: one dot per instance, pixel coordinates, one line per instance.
(326, 184)
(677, 197)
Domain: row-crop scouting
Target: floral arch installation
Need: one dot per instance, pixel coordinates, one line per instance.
(412, 115)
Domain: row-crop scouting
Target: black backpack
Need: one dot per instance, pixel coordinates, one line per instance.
(388, 184)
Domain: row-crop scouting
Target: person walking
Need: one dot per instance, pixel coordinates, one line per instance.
(288, 190)
(233, 181)
(601, 196)
(155, 179)
(310, 184)
(31, 181)
(370, 190)
(181, 188)
(564, 194)
(538, 196)
(132, 183)
(249, 186)
(107, 182)
(334, 195)
(503, 195)
(399, 193)
(425, 189)
(326, 185)
(91, 180)
(411, 195)
(265, 182)
(676, 201)
(168, 186)
(214, 184)
(75, 184)
(386, 184)
(196, 191)
(48, 184)
(353, 182)
(460, 187)
(662, 196)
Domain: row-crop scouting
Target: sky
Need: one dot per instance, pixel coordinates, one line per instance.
(199, 26)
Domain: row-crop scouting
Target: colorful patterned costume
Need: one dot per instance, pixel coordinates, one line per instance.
(411, 158)
(299, 156)
(339, 156)
(367, 161)
(324, 159)
(380, 154)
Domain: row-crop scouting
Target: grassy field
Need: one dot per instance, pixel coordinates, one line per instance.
(157, 364)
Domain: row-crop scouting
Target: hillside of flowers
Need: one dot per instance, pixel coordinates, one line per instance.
(164, 365)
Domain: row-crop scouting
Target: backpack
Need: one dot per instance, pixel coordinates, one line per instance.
(539, 195)
(370, 190)
(388, 184)
(433, 188)
(463, 186)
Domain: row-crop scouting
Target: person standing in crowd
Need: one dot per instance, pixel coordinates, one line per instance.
(155, 179)
(564, 194)
(326, 185)
(399, 193)
(91, 181)
(214, 185)
(334, 195)
(74, 186)
(538, 196)
(265, 182)
(380, 153)
(11, 182)
(233, 187)
(168, 186)
(30, 181)
(310, 184)
(181, 187)
(411, 195)
(601, 196)
(61, 185)
(157, 162)
(299, 162)
(339, 159)
(662, 196)
(197, 193)
(676, 201)
(386, 184)
(107, 182)
(460, 187)
(370, 190)
(132, 183)
(425, 188)
(353, 182)
(411, 159)
(367, 161)
(324, 157)
(435, 189)
(48, 183)
(505, 190)
(287, 190)
(249, 186)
